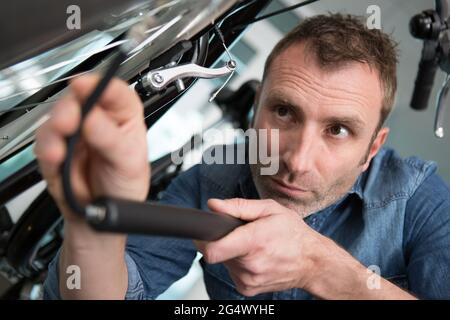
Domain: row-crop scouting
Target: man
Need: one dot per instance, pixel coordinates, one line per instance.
(343, 218)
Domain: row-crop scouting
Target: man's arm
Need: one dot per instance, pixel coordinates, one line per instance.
(277, 251)
(337, 275)
(100, 260)
(151, 263)
(110, 160)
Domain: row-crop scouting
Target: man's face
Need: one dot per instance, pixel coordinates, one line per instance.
(326, 121)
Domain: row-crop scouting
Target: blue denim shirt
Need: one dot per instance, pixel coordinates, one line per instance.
(396, 217)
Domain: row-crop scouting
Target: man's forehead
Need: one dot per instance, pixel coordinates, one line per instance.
(292, 71)
(301, 56)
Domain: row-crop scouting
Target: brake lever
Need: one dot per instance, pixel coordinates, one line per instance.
(159, 79)
(440, 109)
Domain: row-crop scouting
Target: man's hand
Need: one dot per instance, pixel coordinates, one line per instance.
(271, 253)
(277, 251)
(110, 160)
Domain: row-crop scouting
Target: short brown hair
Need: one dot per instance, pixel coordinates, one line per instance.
(337, 39)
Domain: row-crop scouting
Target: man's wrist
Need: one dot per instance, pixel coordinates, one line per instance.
(80, 237)
(335, 274)
(332, 272)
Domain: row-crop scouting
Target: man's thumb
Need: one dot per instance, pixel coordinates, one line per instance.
(248, 210)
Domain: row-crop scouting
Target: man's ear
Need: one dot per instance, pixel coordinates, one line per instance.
(257, 94)
(376, 145)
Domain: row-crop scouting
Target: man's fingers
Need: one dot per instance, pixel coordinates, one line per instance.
(50, 146)
(118, 99)
(103, 135)
(237, 243)
(245, 209)
(246, 285)
(50, 150)
(240, 241)
(65, 116)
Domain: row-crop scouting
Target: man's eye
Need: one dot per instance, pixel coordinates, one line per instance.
(339, 131)
(282, 111)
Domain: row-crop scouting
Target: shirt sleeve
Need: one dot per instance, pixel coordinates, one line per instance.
(427, 240)
(153, 263)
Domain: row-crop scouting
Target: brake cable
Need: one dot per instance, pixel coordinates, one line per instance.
(136, 36)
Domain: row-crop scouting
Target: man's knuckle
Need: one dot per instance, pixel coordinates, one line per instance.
(252, 280)
(257, 269)
(209, 255)
(247, 291)
(251, 239)
(240, 203)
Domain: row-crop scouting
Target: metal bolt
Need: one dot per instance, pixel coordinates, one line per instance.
(5, 137)
(232, 64)
(158, 78)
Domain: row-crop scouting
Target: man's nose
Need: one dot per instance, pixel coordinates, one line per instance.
(301, 151)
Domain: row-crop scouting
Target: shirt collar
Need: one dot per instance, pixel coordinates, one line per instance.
(357, 187)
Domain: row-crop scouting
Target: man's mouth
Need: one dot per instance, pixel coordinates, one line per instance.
(288, 189)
